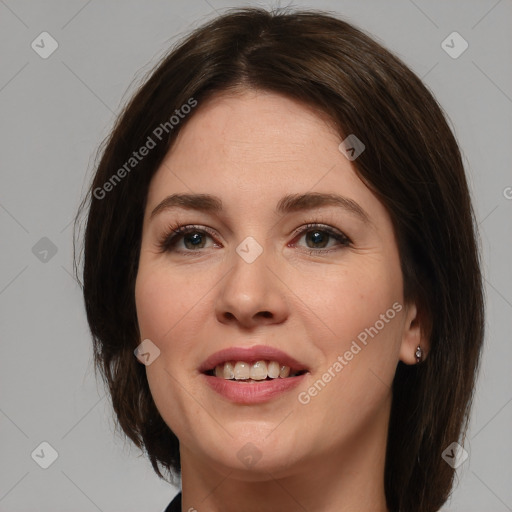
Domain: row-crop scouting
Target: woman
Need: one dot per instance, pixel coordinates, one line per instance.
(280, 230)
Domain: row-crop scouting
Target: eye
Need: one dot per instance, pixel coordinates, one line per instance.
(318, 237)
(193, 238)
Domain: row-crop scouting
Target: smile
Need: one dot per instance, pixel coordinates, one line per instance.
(255, 372)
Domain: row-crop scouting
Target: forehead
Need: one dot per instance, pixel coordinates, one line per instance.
(262, 126)
(253, 147)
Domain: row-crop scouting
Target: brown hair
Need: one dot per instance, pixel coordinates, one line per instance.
(411, 162)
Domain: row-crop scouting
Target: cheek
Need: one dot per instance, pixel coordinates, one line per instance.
(152, 302)
(363, 310)
(347, 299)
(164, 304)
(162, 301)
(171, 307)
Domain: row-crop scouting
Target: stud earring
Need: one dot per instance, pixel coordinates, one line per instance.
(418, 354)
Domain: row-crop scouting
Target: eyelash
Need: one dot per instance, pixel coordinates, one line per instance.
(176, 232)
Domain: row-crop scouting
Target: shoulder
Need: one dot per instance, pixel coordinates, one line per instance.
(175, 505)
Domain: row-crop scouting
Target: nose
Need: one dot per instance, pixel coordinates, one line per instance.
(252, 294)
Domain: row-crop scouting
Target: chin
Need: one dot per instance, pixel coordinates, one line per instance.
(253, 455)
(257, 469)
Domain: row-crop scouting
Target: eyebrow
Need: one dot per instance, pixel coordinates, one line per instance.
(287, 204)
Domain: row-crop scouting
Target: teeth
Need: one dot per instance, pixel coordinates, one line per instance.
(284, 371)
(260, 370)
(228, 371)
(225, 371)
(242, 371)
(273, 369)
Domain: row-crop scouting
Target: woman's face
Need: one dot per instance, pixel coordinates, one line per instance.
(251, 273)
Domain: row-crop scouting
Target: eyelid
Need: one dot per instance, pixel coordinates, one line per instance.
(333, 232)
(176, 231)
(309, 226)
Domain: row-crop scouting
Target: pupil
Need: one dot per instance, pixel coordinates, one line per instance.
(317, 237)
(195, 239)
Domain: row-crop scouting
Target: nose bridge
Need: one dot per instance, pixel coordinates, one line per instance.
(250, 290)
(250, 250)
(248, 278)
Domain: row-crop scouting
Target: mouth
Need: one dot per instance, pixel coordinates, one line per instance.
(242, 371)
(252, 365)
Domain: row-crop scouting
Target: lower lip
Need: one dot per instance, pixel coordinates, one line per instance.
(252, 392)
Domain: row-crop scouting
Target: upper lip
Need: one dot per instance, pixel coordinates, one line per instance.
(251, 355)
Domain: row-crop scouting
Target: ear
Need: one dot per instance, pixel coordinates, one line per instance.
(414, 334)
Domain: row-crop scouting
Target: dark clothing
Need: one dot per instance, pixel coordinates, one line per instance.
(175, 505)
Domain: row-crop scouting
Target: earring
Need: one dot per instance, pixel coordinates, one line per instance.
(418, 354)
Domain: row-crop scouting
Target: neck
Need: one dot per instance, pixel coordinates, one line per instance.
(347, 479)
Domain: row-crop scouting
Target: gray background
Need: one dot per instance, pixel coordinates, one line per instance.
(54, 112)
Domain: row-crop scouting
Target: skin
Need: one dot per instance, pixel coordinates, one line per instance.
(251, 148)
